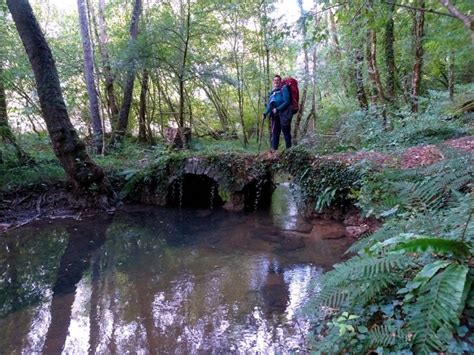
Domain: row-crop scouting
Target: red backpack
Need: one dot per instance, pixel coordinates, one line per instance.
(292, 84)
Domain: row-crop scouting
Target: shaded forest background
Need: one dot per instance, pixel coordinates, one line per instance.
(208, 65)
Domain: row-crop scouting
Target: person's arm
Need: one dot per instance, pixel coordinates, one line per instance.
(269, 106)
(286, 99)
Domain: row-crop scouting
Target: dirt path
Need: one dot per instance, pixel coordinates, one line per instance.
(421, 155)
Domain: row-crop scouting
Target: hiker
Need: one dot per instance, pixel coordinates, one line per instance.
(280, 111)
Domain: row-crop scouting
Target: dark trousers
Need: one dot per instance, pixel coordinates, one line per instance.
(277, 128)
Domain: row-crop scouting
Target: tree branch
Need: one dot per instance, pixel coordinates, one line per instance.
(421, 9)
(468, 20)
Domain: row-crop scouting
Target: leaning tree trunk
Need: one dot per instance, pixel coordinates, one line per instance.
(70, 150)
(128, 91)
(89, 76)
(418, 32)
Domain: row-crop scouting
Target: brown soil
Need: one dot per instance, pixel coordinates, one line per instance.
(20, 207)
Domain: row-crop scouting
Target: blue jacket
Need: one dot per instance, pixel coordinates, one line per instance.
(280, 99)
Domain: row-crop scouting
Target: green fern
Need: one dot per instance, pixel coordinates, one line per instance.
(439, 302)
(418, 260)
(387, 231)
(434, 245)
(386, 335)
(360, 279)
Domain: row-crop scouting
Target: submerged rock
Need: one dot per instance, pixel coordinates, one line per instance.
(290, 243)
(323, 229)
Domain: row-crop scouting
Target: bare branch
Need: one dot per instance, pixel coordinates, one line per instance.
(420, 9)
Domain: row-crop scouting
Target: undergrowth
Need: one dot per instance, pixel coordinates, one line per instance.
(409, 287)
(323, 183)
(439, 120)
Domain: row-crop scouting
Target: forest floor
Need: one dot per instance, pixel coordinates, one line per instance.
(52, 201)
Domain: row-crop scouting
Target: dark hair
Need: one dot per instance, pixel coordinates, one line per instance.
(277, 76)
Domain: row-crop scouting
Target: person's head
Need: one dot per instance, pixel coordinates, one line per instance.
(277, 81)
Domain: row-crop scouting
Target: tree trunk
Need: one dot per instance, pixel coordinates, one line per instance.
(130, 79)
(142, 130)
(221, 110)
(6, 133)
(299, 115)
(185, 36)
(337, 51)
(451, 76)
(89, 77)
(263, 23)
(112, 105)
(390, 54)
(359, 79)
(374, 75)
(418, 33)
(377, 97)
(311, 118)
(70, 150)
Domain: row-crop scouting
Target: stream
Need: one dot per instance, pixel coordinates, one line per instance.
(164, 280)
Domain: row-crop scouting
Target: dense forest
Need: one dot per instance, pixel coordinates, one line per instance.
(95, 95)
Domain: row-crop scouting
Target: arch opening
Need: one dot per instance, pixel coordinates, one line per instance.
(194, 191)
(258, 194)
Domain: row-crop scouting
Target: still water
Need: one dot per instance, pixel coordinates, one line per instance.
(156, 280)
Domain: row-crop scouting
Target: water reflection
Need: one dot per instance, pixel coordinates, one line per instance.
(157, 281)
(284, 209)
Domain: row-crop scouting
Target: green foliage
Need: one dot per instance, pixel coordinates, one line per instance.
(418, 264)
(324, 183)
(439, 304)
(46, 169)
(425, 189)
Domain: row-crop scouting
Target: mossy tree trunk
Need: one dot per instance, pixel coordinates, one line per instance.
(70, 150)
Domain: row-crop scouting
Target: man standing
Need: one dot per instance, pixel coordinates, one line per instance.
(280, 111)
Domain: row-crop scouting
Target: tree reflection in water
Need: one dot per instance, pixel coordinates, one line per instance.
(161, 280)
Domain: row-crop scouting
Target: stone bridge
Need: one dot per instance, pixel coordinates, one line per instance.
(235, 181)
(246, 181)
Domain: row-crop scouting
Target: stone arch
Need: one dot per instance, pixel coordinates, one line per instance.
(194, 191)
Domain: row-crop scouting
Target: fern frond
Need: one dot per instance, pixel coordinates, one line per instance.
(386, 335)
(333, 297)
(439, 301)
(363, 267)
(429, 188)
(435, 245)
(360, 279)
(382, 234)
